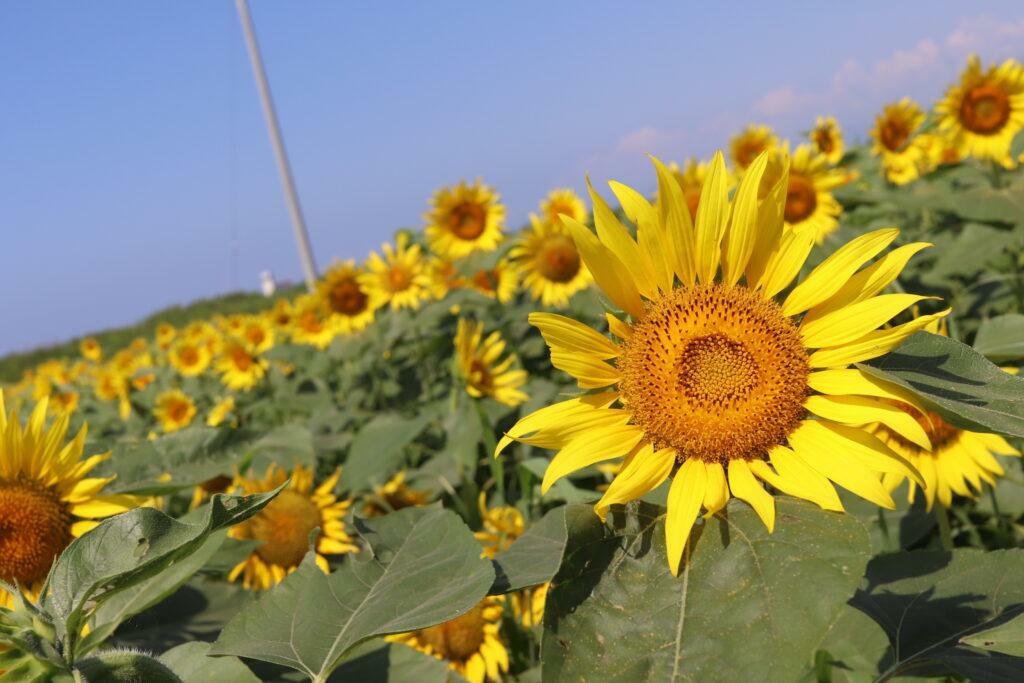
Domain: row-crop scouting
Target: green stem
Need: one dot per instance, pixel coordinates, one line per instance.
(491, 445)
(944, 533)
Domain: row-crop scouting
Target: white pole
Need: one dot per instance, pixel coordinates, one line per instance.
(298, 222)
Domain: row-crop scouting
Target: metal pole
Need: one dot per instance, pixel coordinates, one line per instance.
(277, 142)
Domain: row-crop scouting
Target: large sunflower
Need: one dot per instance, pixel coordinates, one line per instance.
(46, 496)
(560, 203)
(345, 298)
(283, 527)
(174, 410)
(399, 278)
(464, 218)
(549, 263)
(471, 644)
(985, 110)
(723, 381)
(480, 365)
(810, 205)
(827, 138)
(748, 144)
(897, 142)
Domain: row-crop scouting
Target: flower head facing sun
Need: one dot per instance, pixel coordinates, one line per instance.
(165, 334)
(240, 369)
(398, 279)
(257, 333)
(549, 263)
(481, 367)
(91, 349)
(810, 205)
(560, 203)
(897, 142)
(174, 409)
(46, 495)
(827, 138)
(499, 282)
(749, 143)
(284, 526)
(984, 111)
(190, 358)
(464, 218)
(345, 297)
(720, 382)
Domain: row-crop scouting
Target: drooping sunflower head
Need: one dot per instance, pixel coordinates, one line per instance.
(284, 526)
(497, 282)
(724, 373)
(897, 142)
(464, 218)
(471, 643)
(810, 205)
(827, 138)
(90, 349)
(549, 263)
(563, 202)
(239, 366)
(502, 525)
(190, 358)
(749, 143)
(174, 410)
(345, 297)
(165, 334)
(46, 495)
(394, 495)
(985, 110)
(482, 368)
(399, 278)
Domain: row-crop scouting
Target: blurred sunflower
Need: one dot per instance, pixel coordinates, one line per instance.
(345, 297)
(478, 362)
(257, 333)
(810, 205)
(311, 324)
(464, 218)
(220, 411)
(827, 138)
(562, 202)
(691, 180)
(281, 314)
(896, 141)
(283, 527)
(239, 368)
(190, 358)
(165, 334)
(47, 498)
(549, 263)
(749, 143)
(174, 409)
(392, 496)
(444, 276)
(502, 525)
(203, 492)
(471, 644)
(985, 110)
(110, 385)
(91, 349)
(64, 401)
(400, 278)
(499, 282)
(721, 382)
(939, 150)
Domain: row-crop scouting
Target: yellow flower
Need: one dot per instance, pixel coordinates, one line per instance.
(985, 110)
(282, 313)
(110, 385)
(165, 334)
(721, 382)
(174, 409)
(480, 367)
(464, 218)
(257, 333)
(549, 263)
(392, 496)
(499, 282)
(827, 138)
(46, 496)
(896, 143)
(939, 150)
(220, 411)
(444, 276)
(91, 349)
(345, 298)
(399, 278)
(64, 402)
(562, 202)
(283, 527)
(810, 205)
(471, 644)
(240, 369)
(190, 358)
(311, 323)
(749, 143)
(140, 382)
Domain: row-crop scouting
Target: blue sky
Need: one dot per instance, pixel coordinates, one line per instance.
(136, 170)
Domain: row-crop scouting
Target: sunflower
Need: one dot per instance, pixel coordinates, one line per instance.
(345, 298)
(174, 409)
(478, 364)
(46, 496)
(749, 143)
(464, 218)
(500, 282)
(502, 525)
(939, 150)
(190, 358)
(392, 496)
(444, 276)
(165, 334)
(714, 382)
(471, 644)
(281, 314)
(220, 411)
(827, 138)
(311, 323)
(691, 179)
(897, 142)
(985, 110)
(810, 205)
(400, 278)
(257, 333)
(549, 263)
(283, 527)
(239, 368)
(64, 401)
(110, 385)
(91, 349)
(563, 202)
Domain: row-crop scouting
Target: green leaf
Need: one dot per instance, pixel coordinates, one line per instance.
(393, 663)
(747, 605)
(1007, 638)
(1002, 338)
(191, 664)
(955, 381)
(535, 556)
(287, 445)
(378, 448)
(423, 568)
(464, 434)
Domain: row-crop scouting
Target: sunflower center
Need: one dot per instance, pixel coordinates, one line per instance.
(558, 260)
(715, 372)
(747, 152)
(801, 198)
(893, 133)
(256, 335)
(479, 375)
(467, 220)
(985, 110)
(283, 527)
(34, 528)
(178, 411)
(347, 298)
(399, 278)
(189, 355)
(241, 358)
(459, 639)
(823, 140)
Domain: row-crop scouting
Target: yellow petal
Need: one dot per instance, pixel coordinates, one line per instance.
(712, 217)
(589, 372)
(868, 449)
(684, 500)
(567, 334)
(871, 345)
(716, 495)
(617, 327)
(614, 236)
(742, 232)
(785, 261)
(842, 468)
(609, 272)
(799, 480)
(770, 226)
(644, 473)
(82, 527)
(675, 217)
(864, 410)
(590, 448)
(854, 321)
(105, 506)
(745, 487)
(555, 414)
(852, 381)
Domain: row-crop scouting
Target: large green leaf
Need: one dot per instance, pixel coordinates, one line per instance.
(956, 382)
(748, 605)
(191, 664)
(535, 556)
(378, 448)
(423, 568)
(392, 663)
(287, 445)
(1007, 638)
(1002, 338)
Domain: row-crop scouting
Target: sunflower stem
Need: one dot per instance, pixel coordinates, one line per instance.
(491, 445)
(944, 532)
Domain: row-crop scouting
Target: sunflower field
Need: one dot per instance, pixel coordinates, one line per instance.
(756, 421)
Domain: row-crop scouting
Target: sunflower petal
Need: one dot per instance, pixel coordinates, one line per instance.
(684, 501)
(864, 410)
(745, 487)
(644, 473)
(567, 334)
(871, 345)
(609, 272)
(742, 232)
(590, 448)
(712, 218)
(854, 321)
